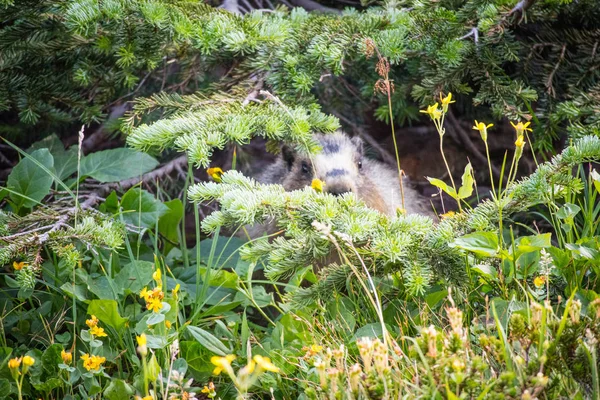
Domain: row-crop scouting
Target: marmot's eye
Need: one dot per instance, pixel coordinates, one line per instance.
(360, 165)
(305, 168)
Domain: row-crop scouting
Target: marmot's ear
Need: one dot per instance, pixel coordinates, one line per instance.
(288, 154)
(358, 143)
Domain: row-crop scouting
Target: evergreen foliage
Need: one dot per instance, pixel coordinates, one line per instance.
(409, 245)
(65, 60)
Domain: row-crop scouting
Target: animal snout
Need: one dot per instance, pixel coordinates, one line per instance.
(337, 190)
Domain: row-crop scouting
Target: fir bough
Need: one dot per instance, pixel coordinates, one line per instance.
(410, 245)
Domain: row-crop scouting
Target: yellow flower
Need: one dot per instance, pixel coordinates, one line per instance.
(215, 173)
(157, 276)
(222, 363)
(154, 304)
(97, 331)
(315, 348)
(482, 128)
(19, 265)
(92, 321)
(14, 363)
(539, 281)
(67, 357)
(141, 340)
(92, 362)
(521, 127)
(433, 111)
(446, 101)
(168, 324)
(317, 185)
(265, 363)
(28, 361)
(520, 142)
(175, 291)
(449, 214)
(145, 294)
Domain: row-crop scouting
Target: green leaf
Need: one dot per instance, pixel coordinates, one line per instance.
(209, 341)
(117, 164)
(143, 212)
(487, 271)
(107, 312)
(101, 287)
(481, 243)
(466, 189)
(4, 388)
(568, 211)
(65, 163)
(596, 179)
(134, 276)
(30, 180)
(118, 390)
(155, 318)
(442, 185)
(168, 224)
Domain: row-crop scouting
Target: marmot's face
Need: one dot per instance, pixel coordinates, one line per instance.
(339, 165)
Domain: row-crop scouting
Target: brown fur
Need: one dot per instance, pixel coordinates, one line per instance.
(342, 167)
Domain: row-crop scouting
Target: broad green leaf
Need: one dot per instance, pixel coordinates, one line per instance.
(442, 185)
(117, 164)
(30, 180)
(134, 276)
(168, 224)
(373, 330)
(4, 388)
(209, 341)
(65, 163)
(487, 271)
(52, 143)
(568, 211)
(596, 179)
(107, 311)
(101, 287)
(118, 390)
(466, 189)
(143, 212)
(481, 243)
(51, 358)
(583, 252)
(155, 318)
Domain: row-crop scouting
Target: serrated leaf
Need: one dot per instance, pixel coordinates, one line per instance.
(116, 164)
(30, 180)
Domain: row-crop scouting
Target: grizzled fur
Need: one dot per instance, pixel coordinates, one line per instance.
(342, 167)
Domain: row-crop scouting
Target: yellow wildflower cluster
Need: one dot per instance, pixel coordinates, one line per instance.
(209, 390)
(15, 363)
(312, 351)
(66, 356)
(95, 330)
(19, 265)
(153, 298)
(539, 281)
(92, 362)
(215, 173)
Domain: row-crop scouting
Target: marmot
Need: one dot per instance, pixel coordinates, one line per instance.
(343, 168)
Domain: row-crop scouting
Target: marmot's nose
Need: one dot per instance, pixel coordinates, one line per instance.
(338, 190)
